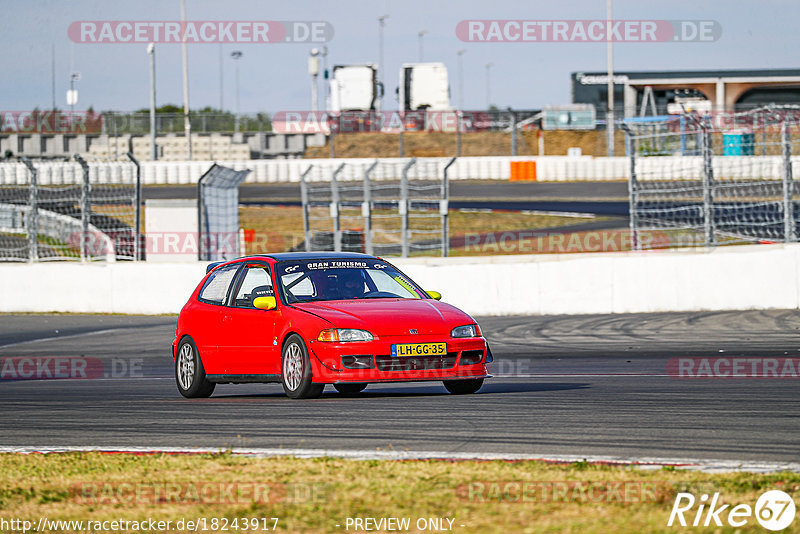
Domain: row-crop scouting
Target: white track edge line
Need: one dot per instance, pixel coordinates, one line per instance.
(694, 464)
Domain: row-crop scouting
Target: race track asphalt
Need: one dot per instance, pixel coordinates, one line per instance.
(564, 385)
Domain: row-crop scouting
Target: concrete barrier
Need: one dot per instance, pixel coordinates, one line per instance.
(727, 278)
(548, 169)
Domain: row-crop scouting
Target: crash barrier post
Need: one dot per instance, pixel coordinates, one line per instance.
(366, 209)
(137, 202)
(33, 212)
(403, 207)
(444, 209)
(85, 206)
(304, 201)
(337, 222)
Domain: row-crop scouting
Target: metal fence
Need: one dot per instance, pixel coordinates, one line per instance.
(89, 213)
(731, 183)
(393, 208)
(218, 213)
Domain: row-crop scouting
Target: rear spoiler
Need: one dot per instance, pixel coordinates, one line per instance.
(211, 266)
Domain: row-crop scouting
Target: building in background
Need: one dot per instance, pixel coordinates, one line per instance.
(654, 91)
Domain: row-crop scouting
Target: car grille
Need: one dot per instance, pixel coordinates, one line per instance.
(416, 363)
(363, 361)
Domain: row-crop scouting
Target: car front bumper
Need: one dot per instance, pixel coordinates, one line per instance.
(372, 361)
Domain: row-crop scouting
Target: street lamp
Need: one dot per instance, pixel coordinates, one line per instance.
(72, 95)
(187, 123)
(459, 113)
(236, 54)
(420, 34)
(610, 114)
(460, 54)
(151, 51)
(313, 70)
(489, 84)
(381, 24)
(325, 78)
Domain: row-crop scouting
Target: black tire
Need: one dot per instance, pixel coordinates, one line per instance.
(350, 389)
(296, 374)
(463, 387)
(190, 376)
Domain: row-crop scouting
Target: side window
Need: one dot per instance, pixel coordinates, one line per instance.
(216, 286)
(255, 283)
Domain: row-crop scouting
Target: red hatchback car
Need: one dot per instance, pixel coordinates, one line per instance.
(310, 319)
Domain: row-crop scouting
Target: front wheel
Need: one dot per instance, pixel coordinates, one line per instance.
(189, 373)
(296, 375)
(350, 389)
(463, 387)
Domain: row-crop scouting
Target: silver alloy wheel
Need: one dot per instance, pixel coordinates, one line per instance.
(293, 366)
(186, 366)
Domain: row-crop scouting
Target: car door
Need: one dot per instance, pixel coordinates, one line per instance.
(248, 342)
(206, 316)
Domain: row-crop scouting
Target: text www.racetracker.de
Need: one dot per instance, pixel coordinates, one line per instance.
(199, 524)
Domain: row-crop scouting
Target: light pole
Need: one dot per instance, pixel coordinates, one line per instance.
(381, 24)
(420, 35)
(325, 78)
(221, 81)
(72, 96)
(460, 55)
(313, 70)
(187, 124)
(610, 114)
(489, 84)
(236, 54)
(460, 110)
(151, 51)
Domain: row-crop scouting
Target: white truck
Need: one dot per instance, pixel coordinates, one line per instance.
(423, 86)
(355, 88)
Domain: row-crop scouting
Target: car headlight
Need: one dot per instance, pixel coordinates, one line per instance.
(344, 335)
(468, 330)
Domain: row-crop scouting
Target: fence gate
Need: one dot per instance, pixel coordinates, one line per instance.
(218, 213)
(88, 212)
(386, 208)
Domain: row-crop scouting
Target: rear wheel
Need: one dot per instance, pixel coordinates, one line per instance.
(189, 373)
(463, 387)
(350, 389)
(296, 375)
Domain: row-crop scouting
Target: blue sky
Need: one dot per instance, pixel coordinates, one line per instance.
(274, 77)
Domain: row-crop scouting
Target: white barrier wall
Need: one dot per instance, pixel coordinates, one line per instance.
(548, 169)
(728, 278)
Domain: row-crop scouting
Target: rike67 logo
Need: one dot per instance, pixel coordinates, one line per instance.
(774, 510)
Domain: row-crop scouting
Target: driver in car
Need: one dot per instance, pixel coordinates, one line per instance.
(351, 283)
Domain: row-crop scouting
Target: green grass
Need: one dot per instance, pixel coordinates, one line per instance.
(315, 495)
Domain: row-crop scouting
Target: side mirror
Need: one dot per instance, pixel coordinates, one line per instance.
(435, 295)
(265, 303)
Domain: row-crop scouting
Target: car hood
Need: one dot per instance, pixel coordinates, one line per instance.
(390, 317)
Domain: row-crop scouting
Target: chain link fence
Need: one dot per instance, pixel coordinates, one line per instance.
(713, 180)
(88, 211)
(387, 208)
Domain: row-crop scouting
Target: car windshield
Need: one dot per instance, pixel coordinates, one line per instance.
(328, 279)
